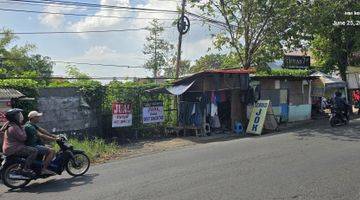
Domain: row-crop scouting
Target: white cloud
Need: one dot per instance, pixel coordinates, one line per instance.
(126, 48)
(55, 20)
(104, 55)
(93, 23)
(194, 50)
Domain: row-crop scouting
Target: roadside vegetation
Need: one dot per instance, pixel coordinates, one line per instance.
(98, 150)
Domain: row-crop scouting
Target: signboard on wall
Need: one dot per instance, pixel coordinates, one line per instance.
(121, 114)
(261, 112)
(296, 62)
(153, 112)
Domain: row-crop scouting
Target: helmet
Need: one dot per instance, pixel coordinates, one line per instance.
(11, 114)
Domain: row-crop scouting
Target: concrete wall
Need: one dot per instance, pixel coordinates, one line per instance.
(296, 113)
(64, 110)
(299, 112)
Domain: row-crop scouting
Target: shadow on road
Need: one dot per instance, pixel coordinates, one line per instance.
(57, 185)
(348, 133)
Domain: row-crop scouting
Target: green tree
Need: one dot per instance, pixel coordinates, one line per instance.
(210, 61)
(257, 30)
(170, 71)
(157, 48)
(17, 60)
(334, 43)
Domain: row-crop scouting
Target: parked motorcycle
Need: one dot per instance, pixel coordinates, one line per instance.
(75, 162)
(338, 118)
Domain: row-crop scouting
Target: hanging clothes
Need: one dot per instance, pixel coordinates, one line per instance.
(222, 96)
(215, 122)
(213, 97)
(193, 109)
(214, 109)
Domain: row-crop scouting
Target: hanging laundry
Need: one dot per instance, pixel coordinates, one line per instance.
(208, 109)
(213, 97)
(215, 122)
(218, 97)
(222, 96)
(193, 109)
(214, 109)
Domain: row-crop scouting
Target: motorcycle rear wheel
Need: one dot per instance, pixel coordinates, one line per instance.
(79, 165)
(13, 183)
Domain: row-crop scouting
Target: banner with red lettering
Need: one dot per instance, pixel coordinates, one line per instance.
(122, 114)
(153, 112)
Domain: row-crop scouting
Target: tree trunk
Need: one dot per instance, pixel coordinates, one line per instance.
(343, 64)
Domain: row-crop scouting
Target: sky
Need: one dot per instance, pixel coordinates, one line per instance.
(119, 48)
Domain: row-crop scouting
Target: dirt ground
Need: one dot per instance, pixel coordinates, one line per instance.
(149, 147)
(155, 146)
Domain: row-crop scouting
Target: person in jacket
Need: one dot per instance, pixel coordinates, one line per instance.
(15, 137)
(341, 105)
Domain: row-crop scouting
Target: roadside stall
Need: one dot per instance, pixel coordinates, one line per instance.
(326, 85)
(7, 97)
(289, 96)
(211, 101)
(323, 90)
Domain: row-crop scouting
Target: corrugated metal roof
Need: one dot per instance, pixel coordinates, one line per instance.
(193, 77)
(10, 93)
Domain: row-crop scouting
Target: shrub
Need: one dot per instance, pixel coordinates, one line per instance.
(96, 149)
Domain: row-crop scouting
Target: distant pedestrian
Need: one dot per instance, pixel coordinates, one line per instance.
(356, 100)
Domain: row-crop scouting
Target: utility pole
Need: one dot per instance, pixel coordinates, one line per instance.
(180, 40)
(183, 27)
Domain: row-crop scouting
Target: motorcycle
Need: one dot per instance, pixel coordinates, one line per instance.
(338, 118)
(75, 162)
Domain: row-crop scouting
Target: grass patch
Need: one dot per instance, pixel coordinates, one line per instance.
(97, 150)
(284, 72)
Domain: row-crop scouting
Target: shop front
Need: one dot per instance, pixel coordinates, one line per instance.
(211, 101)
(290, 96)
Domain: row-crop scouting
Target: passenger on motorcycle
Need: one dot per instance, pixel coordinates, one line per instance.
(341, 106)
(35, 138)
(14, 139)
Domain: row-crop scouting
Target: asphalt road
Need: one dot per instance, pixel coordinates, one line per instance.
(312, 162)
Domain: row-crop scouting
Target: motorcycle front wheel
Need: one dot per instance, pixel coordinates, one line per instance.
(79, 165)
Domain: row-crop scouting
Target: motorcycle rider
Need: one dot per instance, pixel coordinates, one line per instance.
(35, 135)
(341, 106)
(14, 140)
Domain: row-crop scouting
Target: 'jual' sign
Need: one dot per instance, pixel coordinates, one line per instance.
(257, 117)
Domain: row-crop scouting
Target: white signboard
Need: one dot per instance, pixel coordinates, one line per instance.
(262, 115)
(122, 114)
(153, 112)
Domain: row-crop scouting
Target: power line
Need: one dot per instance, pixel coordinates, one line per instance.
(72, 6)
(78, 15)
(100, 64)
(77, 32)
(86, 78)
(92, 5)
(87, 63)
(82, 63)
(81, 4)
